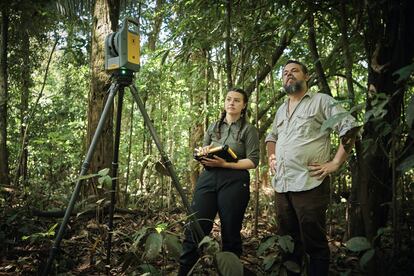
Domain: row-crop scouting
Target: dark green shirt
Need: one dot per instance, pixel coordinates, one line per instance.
(245, 144)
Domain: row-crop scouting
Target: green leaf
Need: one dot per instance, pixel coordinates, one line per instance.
(205, 240)
(369, 146)
(11, 218)
(367, 257)
(332, 121)
(292, 266)
(51, 231)
(161, 227)
(99, 202)
(346, 273)
(148, 269)
(153, 246)
(286, 243)
(378, 110)
(268, 261)
(211, 246)
(228, 264)
(406, 164)
(83, 177)
(357, 108)
(357, 244)
(404, 72)
(173, 245)
(164, 56)
(138, 236)
(103, 172)
(105, 180)
(265, 245)
(383, 128)
(381, 231)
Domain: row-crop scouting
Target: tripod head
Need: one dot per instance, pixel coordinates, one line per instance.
(123, 77)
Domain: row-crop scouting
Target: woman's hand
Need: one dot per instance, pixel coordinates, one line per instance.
(201, 151)
(214, 162)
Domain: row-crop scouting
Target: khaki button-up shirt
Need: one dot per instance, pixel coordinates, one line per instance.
(245, 144)
(300, 141)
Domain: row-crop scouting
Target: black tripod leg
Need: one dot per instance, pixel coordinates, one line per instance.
(197, 231)
(114, 175)
(84, 170)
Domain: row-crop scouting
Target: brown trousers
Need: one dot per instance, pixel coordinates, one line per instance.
(302, 215)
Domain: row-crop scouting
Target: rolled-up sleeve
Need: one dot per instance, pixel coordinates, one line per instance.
(252, 144)
(272, 135)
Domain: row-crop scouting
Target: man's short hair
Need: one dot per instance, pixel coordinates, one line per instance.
(304, 68)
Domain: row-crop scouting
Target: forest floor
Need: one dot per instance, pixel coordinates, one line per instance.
(27, 237)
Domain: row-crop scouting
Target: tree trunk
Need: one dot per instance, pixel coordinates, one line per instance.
(105, 20)
(315, 56)
(343, 23)
(257, 170)
(389, 46)
(156, 26)
(228, 46)
(200, 102)
(4, 159)
(24, 97)
(356, 222)
(196, 136)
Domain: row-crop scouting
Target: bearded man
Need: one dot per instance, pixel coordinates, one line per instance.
(300, 160)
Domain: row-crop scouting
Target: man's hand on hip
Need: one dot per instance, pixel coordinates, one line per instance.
(320, 171)
(272, 164)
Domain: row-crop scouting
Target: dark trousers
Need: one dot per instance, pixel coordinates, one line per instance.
(222, 191)
(302, 215)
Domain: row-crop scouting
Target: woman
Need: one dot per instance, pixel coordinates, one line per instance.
(223, 187)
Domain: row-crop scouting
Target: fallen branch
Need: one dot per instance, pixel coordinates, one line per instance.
(91, 212)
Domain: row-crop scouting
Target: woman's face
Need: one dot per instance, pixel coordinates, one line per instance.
(234, 103)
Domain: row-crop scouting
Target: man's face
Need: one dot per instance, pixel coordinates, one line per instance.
(294, 79)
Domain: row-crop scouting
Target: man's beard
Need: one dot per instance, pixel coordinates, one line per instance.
(295, 87)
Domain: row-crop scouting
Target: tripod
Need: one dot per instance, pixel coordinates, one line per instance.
(120, 79)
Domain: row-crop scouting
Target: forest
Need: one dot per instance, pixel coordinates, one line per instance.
(128, 215)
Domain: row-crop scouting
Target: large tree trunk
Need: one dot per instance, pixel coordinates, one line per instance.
(356, 223)
(200, 102)
(24, 97)
(105, 20)
(156, 26)
(389, 46)
(229, 64)
(4, 159)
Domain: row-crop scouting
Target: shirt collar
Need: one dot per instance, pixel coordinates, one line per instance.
(307, 94)
(237, 123)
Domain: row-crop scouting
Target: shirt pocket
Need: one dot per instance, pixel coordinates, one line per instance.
(280, 127)
(307, 125)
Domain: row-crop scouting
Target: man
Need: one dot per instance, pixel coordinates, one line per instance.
(299, 158)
